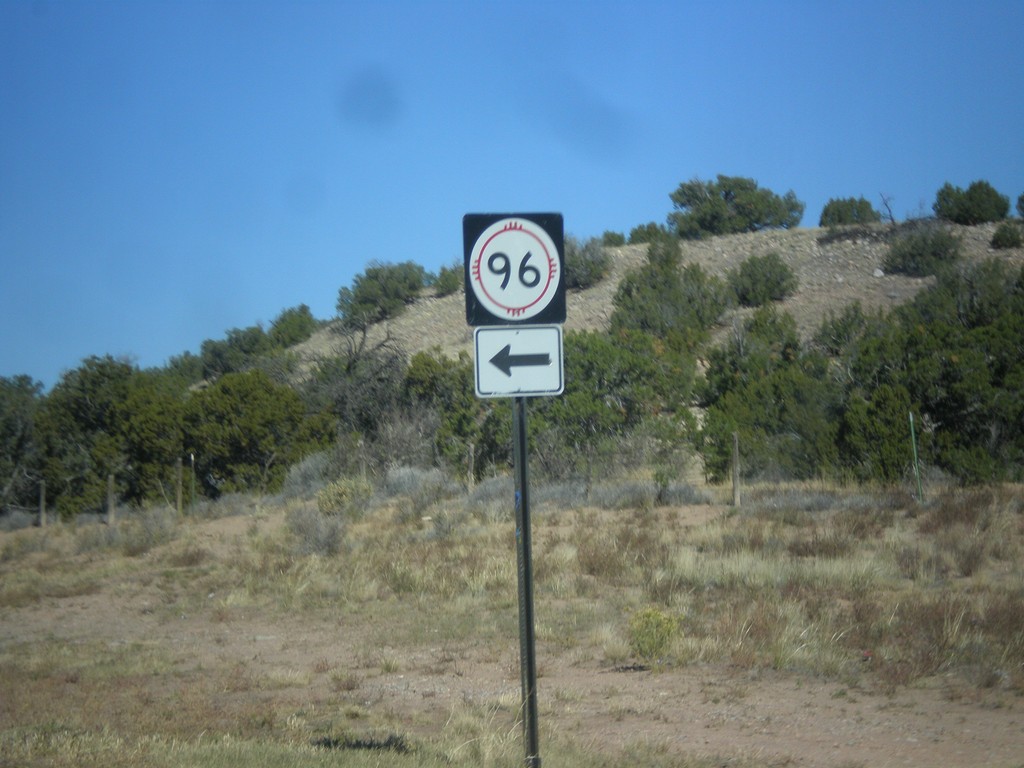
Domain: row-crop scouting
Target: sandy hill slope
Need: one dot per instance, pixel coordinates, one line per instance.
(832, 272)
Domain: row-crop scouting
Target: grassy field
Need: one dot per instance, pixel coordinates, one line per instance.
(264, 632)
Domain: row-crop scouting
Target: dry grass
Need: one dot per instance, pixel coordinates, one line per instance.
(868, 589)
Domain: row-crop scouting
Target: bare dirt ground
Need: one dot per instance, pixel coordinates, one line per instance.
(773, 718)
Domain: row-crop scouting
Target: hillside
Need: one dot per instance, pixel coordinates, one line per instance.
(818, 623)
(832, 273)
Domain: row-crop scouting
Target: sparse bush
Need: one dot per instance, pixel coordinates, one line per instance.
(761, 279)
(585, 263)
(408, 481)
(969, 551)
(565, 495)
(672, 493)
(190, 555)
(492, 500)
(423, 487)
(347, 497)
(650, 633)
(379, 293)
(848, 210)
(627, 494)
(597, 551)
(449, 279)
(1020, 205)
(922, 252)
(771, 500)
(731, 204)
(446, 522)
(645, 233)
(671, 302)
(838, 332)
(908, 560)
(292, 326)
(235, 353)
(981, 203)
(1007, 235)
(227, 505)
(829, 545)
(17, 519)
(863, 522)
(307, 477)
(406, 437)
(314, 532)
(682, 494)
(933, 633)
(954, 509)
(147, 529)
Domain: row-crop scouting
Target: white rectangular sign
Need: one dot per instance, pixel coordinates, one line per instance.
(519, 361)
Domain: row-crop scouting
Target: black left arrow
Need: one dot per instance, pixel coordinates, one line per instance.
(504, 361)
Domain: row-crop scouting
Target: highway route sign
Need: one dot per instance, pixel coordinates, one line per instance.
(519, 361)
(514, 265)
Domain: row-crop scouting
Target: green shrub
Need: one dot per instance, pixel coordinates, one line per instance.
(645, 233)
(1007, 235)
(650, 633)
(731, 204)
(848, 210)
(585, 264)
(981, 203)
(1020, 205)
(922, 251)
(238, 352)
(245, 430)
(761, 279)
(449, 279)
(612, 239)
(838, 331)
(676, 304)
(348, 497)
(292, 326)
(381, 292)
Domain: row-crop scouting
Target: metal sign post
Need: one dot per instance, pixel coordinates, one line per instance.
(524, 554)
(515, 290)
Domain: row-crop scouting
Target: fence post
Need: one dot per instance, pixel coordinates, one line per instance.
(736, 469)
(42, 503)
(178, 477)
(110, 499)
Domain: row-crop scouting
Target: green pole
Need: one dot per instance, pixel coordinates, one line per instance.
(917, 465)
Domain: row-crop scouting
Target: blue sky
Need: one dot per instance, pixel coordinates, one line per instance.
(171, 170)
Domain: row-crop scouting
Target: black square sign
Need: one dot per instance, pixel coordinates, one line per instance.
(514, 266)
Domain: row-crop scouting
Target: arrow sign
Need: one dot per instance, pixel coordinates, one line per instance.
(504, 361)
(518, 361)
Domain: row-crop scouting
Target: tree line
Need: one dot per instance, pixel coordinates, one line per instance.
(245, 416)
